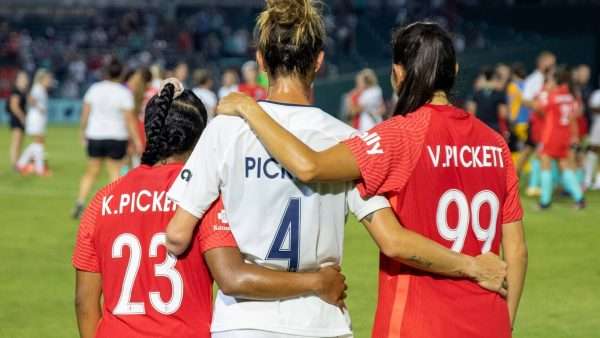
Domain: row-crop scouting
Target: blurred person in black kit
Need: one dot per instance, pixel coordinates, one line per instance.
(16, 108)
(488, 102)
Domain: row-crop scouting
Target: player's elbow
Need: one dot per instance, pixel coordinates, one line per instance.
(176, 242)
(392, 248)
(234, 285)
(307, 171)
(517, 255)
(522, 253)
(83, 303)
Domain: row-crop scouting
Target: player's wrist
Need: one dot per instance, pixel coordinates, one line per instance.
(315, 282)
(249, 109)
(469, 267)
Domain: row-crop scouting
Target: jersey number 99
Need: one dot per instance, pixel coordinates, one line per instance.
(467, 213)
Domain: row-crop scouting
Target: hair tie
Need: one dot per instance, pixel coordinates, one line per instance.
(176, 84)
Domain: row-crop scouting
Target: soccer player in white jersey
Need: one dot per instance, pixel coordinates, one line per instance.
(277, 221)
(35, 124)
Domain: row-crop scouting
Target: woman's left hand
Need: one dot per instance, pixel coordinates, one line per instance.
(235, 104)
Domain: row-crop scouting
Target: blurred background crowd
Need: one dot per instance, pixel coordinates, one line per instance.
(73, 39)
(208, 46)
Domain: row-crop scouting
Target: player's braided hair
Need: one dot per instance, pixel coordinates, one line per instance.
(289, 35)
(173, 126)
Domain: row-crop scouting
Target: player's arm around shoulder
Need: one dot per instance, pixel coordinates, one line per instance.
(307, 165)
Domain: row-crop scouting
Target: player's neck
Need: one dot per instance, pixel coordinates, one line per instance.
(439, 99)
(289, 90)
(181, 158)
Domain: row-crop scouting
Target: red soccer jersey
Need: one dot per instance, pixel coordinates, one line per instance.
(536, 126)
(560, 108)
(148, 293)
(255, 91)
(450, 178)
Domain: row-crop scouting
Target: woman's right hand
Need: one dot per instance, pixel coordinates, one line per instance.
(333, 286)
(235, 104)
(490, 273)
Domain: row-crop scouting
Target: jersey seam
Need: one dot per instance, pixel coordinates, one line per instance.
(420, 154)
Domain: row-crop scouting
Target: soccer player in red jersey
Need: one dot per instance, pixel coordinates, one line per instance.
(560, 136)
(120, 253)
(448, 177)
(250, 85)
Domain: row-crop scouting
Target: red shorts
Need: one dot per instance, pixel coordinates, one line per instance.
(555, 149)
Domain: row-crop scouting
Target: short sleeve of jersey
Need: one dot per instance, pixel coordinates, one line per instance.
(512, 211)
(127, 103)
(533, 85)
(85, 253)
(87, 98)
(197, 186)
(387, 154)
(214, 229)
(362, 208)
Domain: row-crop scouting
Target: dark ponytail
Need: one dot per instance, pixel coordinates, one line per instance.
(427, 54)
(563, 75)
(172, 126)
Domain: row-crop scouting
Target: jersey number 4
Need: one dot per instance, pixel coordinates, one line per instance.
(286, 244)
(166, 269)
(467, 213)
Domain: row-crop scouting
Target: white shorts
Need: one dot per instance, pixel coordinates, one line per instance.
(595, 131)
(35, 123)
(258, 334)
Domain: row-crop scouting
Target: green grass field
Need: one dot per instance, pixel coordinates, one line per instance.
(36, 279)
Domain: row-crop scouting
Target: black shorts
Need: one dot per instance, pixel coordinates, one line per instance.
(530, 142)
(15, 123)
(113, 149)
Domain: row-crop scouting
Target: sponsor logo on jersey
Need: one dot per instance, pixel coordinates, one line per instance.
(447, 156)
(222, 216)
(137, 201)
(186, 175)
(259, 167)
(372, 140)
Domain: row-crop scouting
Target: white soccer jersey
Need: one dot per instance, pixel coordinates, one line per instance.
(534, 84)
(277, 221)
(109, 101)
(37, 115)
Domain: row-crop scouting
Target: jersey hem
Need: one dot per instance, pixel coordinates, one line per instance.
(85, 269)
(367, 210)
(186, 206)
(216, 328)
(218, 246)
